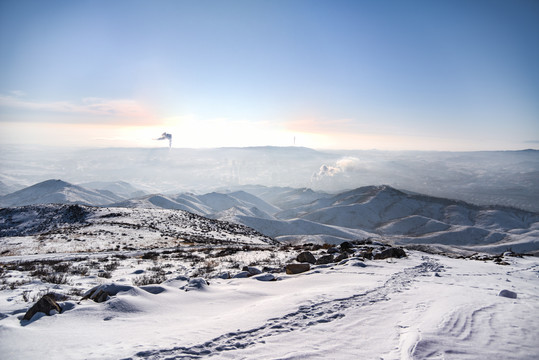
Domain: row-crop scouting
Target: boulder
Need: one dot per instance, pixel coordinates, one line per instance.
(341, 257)
(508, 294)
(366, 254)
(224, 275)
(357, 263)
(265, 277)
(46, 305)
(391, 252)
(252, 270)
(102, 293)
(297, 268)
(306, 257)
(332, 250)
(326, 259)
(346, 246)
(195, 284)
(241, 275)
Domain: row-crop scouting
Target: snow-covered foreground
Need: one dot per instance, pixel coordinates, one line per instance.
(420, 307)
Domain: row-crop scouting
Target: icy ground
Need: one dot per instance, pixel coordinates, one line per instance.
(420, 307)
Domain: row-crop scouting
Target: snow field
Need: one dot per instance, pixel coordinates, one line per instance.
(420, 307)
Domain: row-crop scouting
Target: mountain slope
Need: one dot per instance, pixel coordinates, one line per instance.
(158, 201)
(57, 192)
(411, 218)
(119, 188)
(76, 228)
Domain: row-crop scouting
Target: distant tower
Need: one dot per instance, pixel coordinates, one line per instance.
(294, 141)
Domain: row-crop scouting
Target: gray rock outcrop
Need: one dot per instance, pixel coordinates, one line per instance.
(45, 305)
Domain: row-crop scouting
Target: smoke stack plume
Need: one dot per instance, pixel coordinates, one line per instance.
(166, 136)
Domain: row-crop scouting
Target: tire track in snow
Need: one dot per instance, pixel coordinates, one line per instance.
(305, 316)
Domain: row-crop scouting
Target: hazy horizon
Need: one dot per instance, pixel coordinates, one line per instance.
(482, 177)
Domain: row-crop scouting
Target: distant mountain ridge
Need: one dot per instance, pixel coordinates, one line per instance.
(57, 192)
(303, 215)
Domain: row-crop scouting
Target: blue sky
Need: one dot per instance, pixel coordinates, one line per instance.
(427, 75)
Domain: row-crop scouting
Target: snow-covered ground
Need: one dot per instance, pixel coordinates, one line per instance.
(170, 284)
(419, 307)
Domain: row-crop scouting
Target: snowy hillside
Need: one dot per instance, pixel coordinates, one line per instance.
(119, 188)
(406, 218)
(57, 192)
(75, 228)
(155, 201)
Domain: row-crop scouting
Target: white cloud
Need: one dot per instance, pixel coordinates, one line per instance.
(88, 106)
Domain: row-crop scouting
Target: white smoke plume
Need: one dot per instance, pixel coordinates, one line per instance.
(343, 165)
(166, 136)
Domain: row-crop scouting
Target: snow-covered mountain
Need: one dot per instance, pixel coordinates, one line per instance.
(403, 218)
(211, 204)
(303, 215)
(118, 188)
(183, 202)
(76, 228)
(285, 197)
(57, 192)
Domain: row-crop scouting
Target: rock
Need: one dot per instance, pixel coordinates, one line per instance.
(224, 275)
(241, 275)
(46, 305)
(326, 259)
(297, 268)
(102, 293)
(153, 289)
(341, 257)
(195, 284)
(346, 246)
(366, 254)
(508, 294)
(252, 270)
(271, 269)
(332, 250)
(358, 263)
(306, 257)
(265, 277)
(391, 252)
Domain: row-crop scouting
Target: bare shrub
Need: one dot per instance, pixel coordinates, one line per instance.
(26, 266)
(105, 274)
(75, 292)
(55, 278)
(15, 284)
(209, 266)
(147, 279)
(150, 255)
(112, 266)
(157, 269)
(41, 271)
(61, 267)
(79, 270)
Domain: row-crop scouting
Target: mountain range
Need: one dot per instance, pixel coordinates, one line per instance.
(303, 215)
